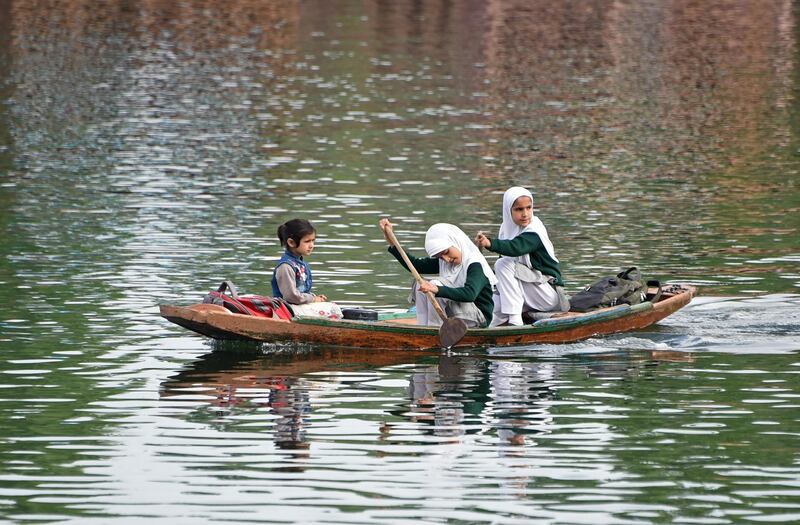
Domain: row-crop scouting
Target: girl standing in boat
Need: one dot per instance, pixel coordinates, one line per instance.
(465, 281)
(528, 273)
(291, 279)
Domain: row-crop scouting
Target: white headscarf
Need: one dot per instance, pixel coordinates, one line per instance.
(440, 237)
(509, 229)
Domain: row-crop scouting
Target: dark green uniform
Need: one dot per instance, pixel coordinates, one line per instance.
(529, 243)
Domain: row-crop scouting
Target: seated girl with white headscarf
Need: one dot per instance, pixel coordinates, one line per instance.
(465, 281)
(528, 273)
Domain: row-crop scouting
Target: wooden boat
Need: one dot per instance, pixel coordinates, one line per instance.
(393, 331)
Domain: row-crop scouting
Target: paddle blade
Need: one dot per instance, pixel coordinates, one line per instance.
(452, 331)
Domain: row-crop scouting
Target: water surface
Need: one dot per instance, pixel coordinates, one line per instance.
(149, 150)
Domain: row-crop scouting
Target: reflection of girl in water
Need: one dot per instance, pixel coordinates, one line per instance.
(521, 399)
(448, 394)
(292, 406)
(288, 399)
(462, 395)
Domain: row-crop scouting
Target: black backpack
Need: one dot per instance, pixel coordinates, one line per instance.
(627, 287)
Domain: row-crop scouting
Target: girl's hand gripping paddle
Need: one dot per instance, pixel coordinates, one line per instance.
(453, 329)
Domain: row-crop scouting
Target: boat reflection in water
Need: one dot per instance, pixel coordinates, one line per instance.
(399, 396)
(235, 383)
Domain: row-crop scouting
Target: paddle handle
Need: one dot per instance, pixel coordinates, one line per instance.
(396, 244)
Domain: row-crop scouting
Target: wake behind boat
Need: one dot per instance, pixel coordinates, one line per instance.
(400, 331)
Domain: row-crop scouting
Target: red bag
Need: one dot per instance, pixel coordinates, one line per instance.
(255, 305)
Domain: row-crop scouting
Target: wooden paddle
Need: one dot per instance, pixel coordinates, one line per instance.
(453, 329)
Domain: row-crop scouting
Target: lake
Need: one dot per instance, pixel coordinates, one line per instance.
(150, 149)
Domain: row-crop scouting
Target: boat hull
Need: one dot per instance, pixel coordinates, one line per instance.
(216, 322)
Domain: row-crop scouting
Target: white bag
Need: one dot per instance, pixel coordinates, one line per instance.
(328, 310)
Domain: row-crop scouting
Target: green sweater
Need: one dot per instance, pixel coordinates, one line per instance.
(476, 289)
(531, 244)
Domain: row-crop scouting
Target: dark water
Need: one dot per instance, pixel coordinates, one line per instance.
(148, 150)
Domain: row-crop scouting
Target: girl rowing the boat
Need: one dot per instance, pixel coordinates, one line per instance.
(465, 280)
(291, 279)
(528, 273)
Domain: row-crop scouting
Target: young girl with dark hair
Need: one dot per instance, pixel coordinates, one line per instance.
(291, 279)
